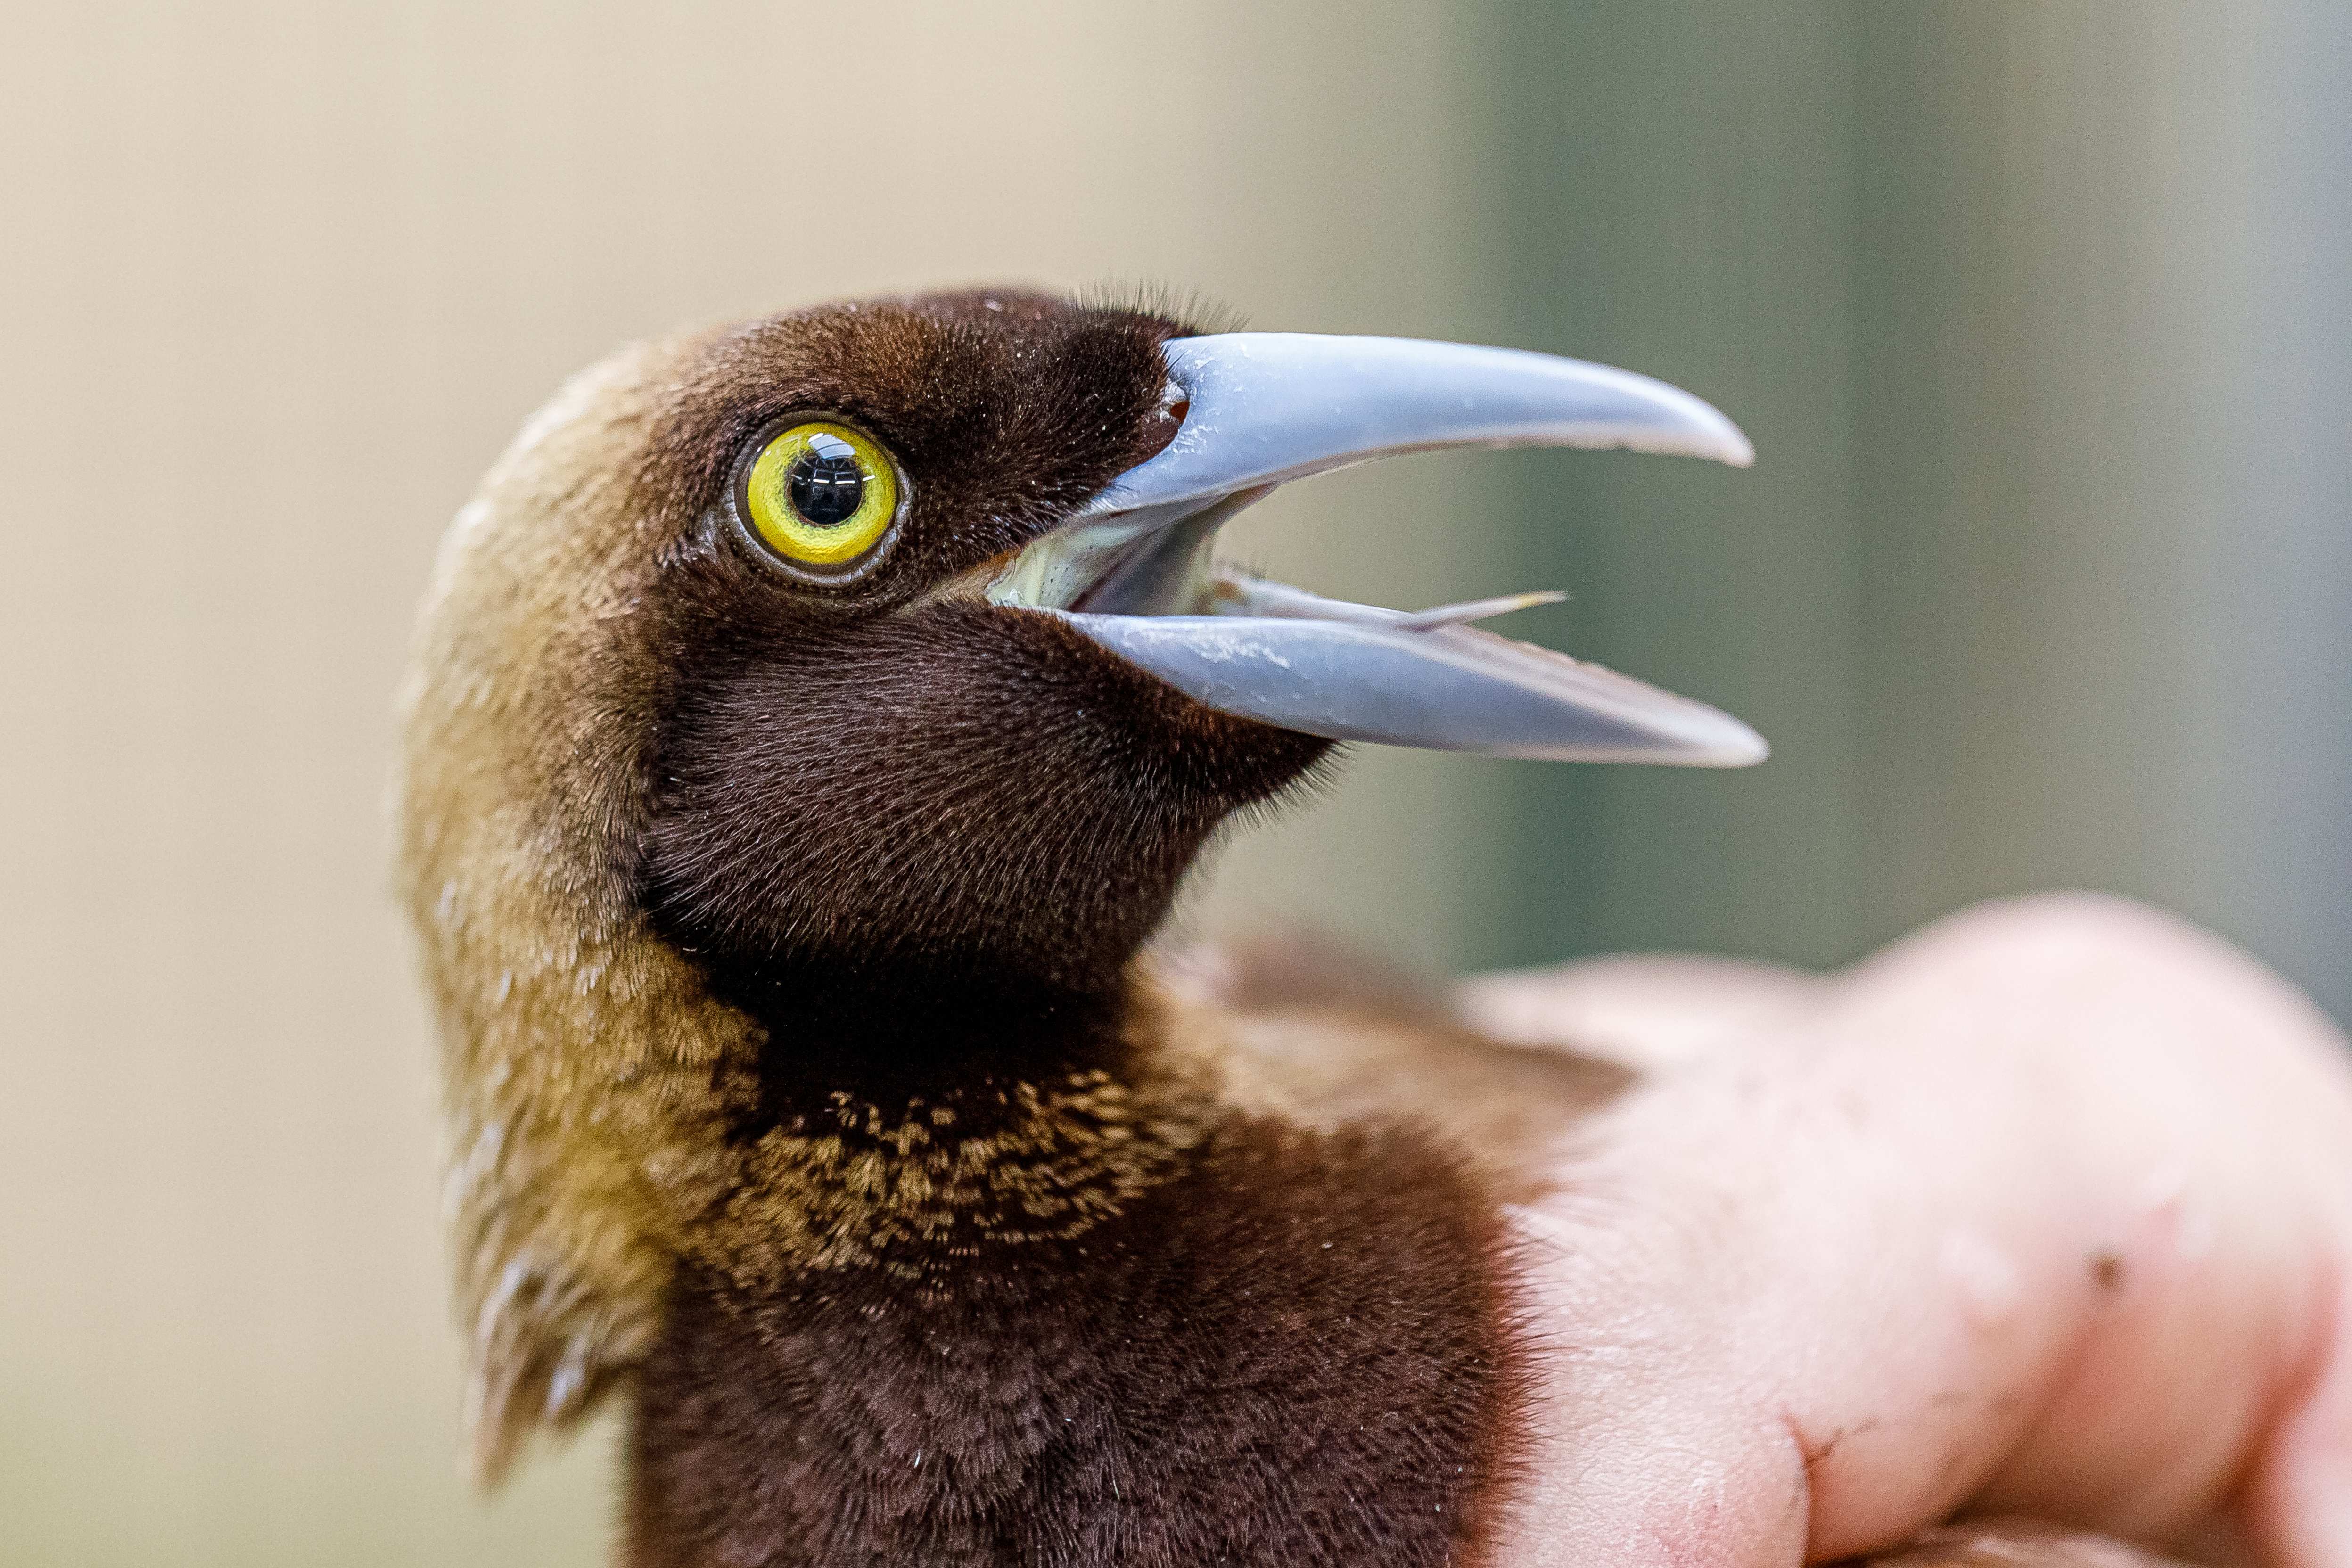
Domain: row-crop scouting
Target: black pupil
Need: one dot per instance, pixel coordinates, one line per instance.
(826, 483)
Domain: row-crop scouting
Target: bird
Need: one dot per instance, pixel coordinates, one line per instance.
(811, 723)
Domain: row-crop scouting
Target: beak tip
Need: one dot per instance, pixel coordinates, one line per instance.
(1727, 443)
(1707, 736)
(1739, 748)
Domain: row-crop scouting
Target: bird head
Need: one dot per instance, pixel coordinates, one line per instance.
(874, 662)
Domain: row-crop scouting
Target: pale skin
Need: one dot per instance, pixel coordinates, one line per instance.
(2046, 1210)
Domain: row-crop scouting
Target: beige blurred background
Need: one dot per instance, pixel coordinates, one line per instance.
(2038, 314)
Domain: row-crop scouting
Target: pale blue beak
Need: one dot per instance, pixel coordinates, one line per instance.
(1135, 570)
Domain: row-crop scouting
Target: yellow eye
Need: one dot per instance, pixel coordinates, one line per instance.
(821, 495)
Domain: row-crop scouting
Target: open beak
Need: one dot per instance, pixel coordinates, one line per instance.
(1136, 571)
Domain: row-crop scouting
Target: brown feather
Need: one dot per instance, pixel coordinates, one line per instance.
(1292, 1351)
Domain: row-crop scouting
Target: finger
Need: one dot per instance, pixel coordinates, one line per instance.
(2219, 1119)
(2037, 1207)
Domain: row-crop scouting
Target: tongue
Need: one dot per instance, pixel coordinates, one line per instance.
(1237, 595)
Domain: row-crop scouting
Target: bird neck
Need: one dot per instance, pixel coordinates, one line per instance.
(929, 1029)
(932, 1117)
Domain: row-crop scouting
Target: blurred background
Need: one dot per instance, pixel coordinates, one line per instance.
(2040, 314)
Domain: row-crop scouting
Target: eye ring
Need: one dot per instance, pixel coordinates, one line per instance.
(819, 498)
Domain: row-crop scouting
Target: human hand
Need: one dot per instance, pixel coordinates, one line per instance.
(2047, 1211)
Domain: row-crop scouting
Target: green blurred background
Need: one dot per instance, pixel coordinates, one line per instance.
(2040, 314)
